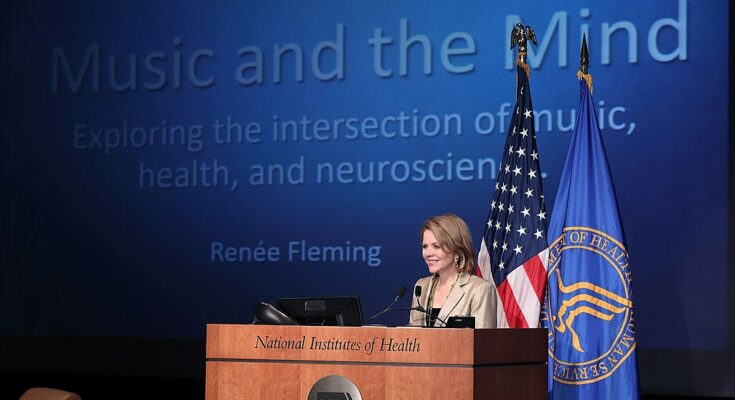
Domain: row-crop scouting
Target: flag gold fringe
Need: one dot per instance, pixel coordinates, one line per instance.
(587, 78)
(525, 68)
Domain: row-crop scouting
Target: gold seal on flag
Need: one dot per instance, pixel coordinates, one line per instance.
(592, 330)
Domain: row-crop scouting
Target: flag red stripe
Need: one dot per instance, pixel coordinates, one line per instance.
(513, 313)
(537, 275)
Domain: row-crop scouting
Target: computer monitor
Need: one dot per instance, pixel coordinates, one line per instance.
(327, 311)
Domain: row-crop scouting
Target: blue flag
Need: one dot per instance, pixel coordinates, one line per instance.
(589, 306)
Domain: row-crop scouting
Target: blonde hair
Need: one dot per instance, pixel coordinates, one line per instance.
(453, 236)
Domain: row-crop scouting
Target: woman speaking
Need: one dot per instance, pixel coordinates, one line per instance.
(451, 289)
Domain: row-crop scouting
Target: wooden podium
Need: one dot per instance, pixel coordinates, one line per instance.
(266, 362)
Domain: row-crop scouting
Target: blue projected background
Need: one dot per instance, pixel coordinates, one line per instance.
(167, 167)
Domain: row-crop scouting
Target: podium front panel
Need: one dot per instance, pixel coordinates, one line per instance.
(279, 381)
(290, 362)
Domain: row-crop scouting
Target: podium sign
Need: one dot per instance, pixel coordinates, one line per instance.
(324, 363)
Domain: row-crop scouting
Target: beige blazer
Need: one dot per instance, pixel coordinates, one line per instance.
(471, 296)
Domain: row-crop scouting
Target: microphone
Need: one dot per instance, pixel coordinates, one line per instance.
(417, 293)
(419, 307)
(401, 292)
(427, 314)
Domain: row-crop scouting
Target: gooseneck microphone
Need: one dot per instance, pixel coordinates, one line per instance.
(401, 292)
(427, 314)
(417, 293)
(419, 308)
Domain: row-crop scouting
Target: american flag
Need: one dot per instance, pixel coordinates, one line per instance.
(513, 254)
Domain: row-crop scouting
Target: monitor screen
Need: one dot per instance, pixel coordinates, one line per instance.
(329, 311)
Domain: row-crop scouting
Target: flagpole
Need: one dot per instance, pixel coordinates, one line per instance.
(584, 62)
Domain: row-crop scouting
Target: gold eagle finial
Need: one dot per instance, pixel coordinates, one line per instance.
(519, 36)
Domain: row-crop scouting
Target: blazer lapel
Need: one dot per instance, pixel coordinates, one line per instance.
(454, 297)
